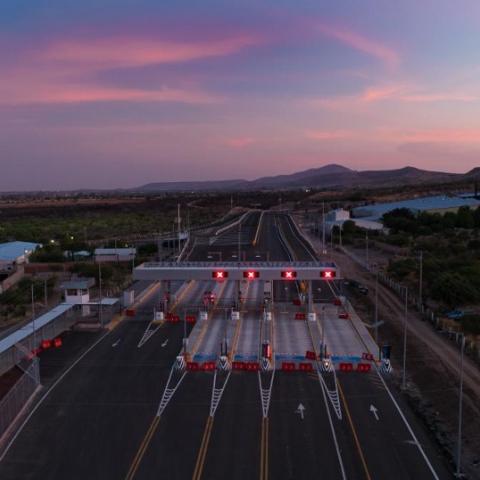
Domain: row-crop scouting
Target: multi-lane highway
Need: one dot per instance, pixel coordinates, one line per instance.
(104, 418)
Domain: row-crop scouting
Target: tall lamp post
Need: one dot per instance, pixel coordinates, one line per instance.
(100, 293)
(405, 340)
(458, 472)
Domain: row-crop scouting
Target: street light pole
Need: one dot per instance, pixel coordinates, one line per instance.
(366, 247)
(33, 324)
(458, 473)
(376, 307)
(324, 247)
(405, 340)
(100, 293)
(420, 286)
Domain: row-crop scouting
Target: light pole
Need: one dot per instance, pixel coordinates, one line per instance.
(366, 247)
(405, 340)
(33, 325)
(376, 307)
(100, 293)
(458, 472)
(420, 286)
(324, 247)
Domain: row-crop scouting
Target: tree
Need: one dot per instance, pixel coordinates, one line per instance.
(453, 289)
(465, 218)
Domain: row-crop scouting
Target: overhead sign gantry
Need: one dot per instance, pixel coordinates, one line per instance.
(236, 271)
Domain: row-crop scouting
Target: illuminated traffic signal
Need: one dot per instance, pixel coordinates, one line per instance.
(289, 275)
(327, 274)
(219, 274)
(251, 275)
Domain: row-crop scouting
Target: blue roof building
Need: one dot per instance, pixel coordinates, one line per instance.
(435, 204)
(16, 252)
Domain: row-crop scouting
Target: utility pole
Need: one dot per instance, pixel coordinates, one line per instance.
(100, 294)
(420, 286)
(239, 235)
(179, 223)
(405, 340)
(324, 248)
(376, 307)
(33, 324)
(366, 248)
(458, 472)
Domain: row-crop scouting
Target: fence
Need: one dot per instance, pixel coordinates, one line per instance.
(18, 396)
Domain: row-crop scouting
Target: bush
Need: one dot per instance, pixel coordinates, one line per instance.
(453, 290)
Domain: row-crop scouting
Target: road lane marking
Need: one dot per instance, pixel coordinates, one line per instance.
(143, 448)
(45, 395)
(301, 410)
(255, 240)
(264, 450)
(202, 453)
(164, 344)
(374, 411)
(397, 406)
(354, 432)
(203, 330)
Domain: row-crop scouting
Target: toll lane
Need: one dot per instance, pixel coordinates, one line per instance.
(300, 438)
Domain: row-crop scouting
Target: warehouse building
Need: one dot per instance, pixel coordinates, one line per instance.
(435, 204)
(16, 253)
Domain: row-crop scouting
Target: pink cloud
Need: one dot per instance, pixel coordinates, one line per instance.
(362, 44)
(239, 142)
(135, 52)
(446, 135)
(327, 134)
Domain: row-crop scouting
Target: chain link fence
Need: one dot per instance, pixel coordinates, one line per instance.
(18, 396)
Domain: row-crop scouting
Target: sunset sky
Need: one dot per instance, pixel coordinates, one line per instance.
(117, 93)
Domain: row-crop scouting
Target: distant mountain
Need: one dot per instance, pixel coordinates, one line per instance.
(328, 176)
(207, 185)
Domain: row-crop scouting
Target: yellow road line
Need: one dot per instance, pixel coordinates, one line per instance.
(179, 299)
(142, 449)
(257, 233)
(204, 326)
(264, 450)
(236, 335)
(202, 453)
(354, 432)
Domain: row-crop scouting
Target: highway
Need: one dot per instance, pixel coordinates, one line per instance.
(104, 418)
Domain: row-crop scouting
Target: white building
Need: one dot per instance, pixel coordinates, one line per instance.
(77, 291)
(115, 254)
(336, 218)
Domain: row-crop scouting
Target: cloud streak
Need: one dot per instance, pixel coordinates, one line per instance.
(361, 43)
(120, 52)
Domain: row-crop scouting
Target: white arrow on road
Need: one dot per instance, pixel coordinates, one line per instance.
(300, 409)
(374, 410)
(164, 344)
(116, 343)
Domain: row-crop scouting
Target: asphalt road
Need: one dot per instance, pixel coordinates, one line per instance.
(99, 421)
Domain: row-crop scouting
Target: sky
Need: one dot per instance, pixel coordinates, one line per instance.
(119, 93)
